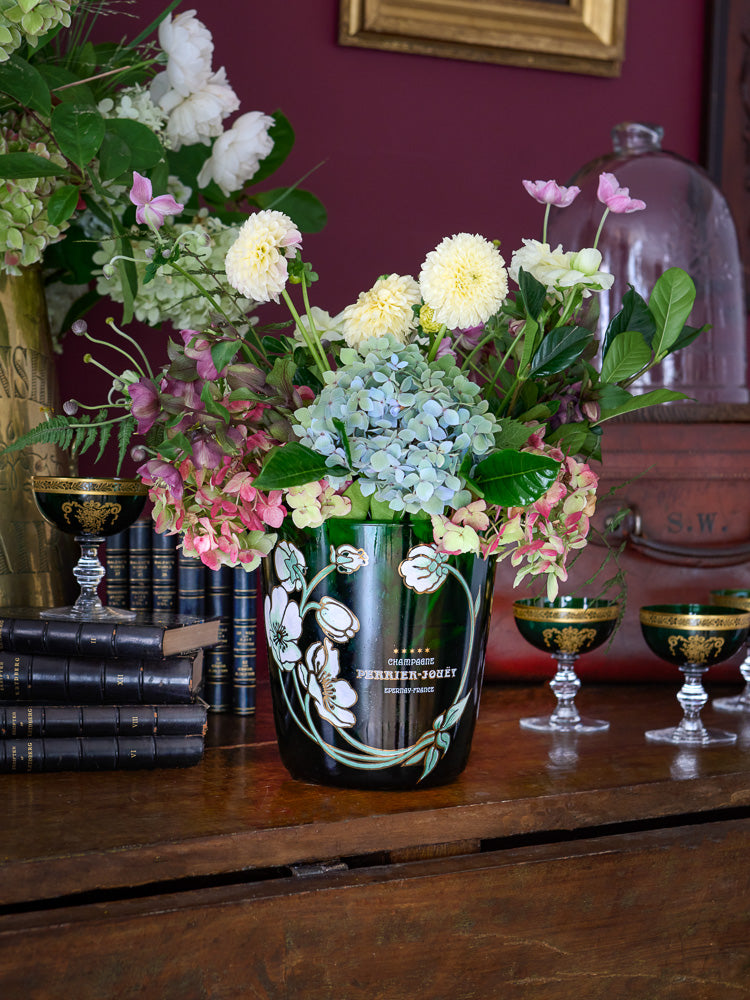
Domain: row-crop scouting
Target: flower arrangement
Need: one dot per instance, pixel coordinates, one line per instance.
(448, 398)
(78, 117)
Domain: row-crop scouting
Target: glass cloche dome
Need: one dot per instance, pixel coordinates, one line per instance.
(687, 223)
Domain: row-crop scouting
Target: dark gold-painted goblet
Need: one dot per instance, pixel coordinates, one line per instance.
(739, 702)
(90, 509)
(565, 628)
(693, 637)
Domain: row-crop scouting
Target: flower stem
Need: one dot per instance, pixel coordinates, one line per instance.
(318, 357)
(544, 224)
(601, 226)
(436, 343)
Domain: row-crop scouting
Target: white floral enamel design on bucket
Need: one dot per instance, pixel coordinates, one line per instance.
(318, 690)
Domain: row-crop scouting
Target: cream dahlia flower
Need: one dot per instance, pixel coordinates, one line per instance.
(256, 261)
(464, 281)
(385, 308)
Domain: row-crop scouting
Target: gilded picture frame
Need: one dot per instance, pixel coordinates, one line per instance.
(572, 36)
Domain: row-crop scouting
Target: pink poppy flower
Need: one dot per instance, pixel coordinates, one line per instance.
(616, 198)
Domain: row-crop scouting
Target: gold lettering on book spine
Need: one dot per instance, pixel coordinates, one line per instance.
(695, 648)
(570, 639)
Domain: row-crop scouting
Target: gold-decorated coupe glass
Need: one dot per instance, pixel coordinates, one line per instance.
(565, 628)
(693, 637)
(90, 509)
(739, 702)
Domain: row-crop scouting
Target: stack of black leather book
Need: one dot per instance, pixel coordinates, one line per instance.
(147, 570)
(95, 695)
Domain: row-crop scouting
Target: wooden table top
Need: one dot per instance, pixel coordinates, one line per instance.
(238, 809)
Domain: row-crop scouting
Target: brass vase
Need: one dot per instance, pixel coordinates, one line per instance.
(35, 569)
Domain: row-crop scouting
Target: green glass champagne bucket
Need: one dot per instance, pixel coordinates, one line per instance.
(376, 649)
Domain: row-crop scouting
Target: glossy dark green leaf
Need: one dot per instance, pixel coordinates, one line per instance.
(633, 315)
(533, 292)
(627, 354)
(302, 207)
(515, 478)
(559, 349)
(62, 204)
(654, 398)
(114, 156)
(145, 148)
(294, 465)
(79, 131)
(223, 352)
(670, 303)
(29, 165)
(25, 84)
(282, 134)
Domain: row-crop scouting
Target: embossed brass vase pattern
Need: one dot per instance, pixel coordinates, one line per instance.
(702, 634)
(376, 653)
(35, 563)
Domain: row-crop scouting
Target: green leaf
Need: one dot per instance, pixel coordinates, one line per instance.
(559, 349)
(294, 465)
(186, 164)
(670, 303)
(125, 432)
(628, 353)
(18, 165)
(533, 292)
(633, 315)
(380, 510)
(513, 434)
(360, 505)
(688, 335)
(223, 352)
(114, 156)
(303, 208)
(282, 134)
(570, 438)
(654, 398)
(145, 149)
(62, 204)
(79, 131)
(341, 428)
(25, 84)
(515, 478)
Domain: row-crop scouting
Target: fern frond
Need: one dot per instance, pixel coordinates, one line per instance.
(125, 432)
(56, 430)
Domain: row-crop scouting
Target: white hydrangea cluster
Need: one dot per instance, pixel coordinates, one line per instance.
(135, 103)
(409, 424)
(173, 298)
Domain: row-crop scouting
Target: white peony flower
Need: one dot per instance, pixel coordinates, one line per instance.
(237, 153)
(464, 281)
(198, 116)
(385, 308)
(558, 269)
(189, 47)
(256, 262)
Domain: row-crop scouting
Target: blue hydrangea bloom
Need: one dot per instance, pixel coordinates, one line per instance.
(409, 424)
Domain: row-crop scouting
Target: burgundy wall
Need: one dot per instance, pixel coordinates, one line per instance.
(414, 148)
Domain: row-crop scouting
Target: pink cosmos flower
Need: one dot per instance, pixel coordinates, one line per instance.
(151, 211)
(552, 193)
(616, 198)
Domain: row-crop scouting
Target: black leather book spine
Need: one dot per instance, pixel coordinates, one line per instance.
(245, 595)
(117, 570)
(51, 721)
(218, 685)
(139, 542)
(50, 679)
(164, 571)
(191, 585)
(99, 753)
